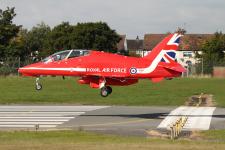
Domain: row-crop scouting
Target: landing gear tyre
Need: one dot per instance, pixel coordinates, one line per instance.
(104, 92)
(38, 87)
(109, 89)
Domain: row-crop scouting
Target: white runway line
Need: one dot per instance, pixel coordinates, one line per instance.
(44, 116)
(52, 108)
(34, 117)
(199, 118)
(38, 115)
(30, 123)
(41, 112)
(21, 120)
(27, 126)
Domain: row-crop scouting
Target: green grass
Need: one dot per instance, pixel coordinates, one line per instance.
(15, 90)
(76, 140)
(214, 135)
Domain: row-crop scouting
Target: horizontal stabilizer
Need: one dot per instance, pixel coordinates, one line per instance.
(177, 68)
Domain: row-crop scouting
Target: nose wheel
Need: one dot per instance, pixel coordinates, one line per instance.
(105, 91)
(38, 85)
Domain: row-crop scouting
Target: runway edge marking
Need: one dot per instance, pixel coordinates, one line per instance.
(199, 118)
(44, 116)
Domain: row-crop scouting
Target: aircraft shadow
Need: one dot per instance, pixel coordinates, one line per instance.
(149, 116)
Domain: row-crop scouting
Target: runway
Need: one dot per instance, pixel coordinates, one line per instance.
(125, 120)
(43, 116)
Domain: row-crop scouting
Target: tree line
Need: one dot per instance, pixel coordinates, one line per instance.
(213, 52)
(42, 40)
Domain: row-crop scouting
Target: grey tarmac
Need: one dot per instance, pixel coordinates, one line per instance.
(122, 120)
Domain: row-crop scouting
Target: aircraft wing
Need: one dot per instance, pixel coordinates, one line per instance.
(95, 81)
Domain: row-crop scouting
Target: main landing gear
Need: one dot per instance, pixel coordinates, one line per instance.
(105, 91)
(38, 85)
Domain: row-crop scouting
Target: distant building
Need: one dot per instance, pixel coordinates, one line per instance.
(189, 46)
(122, 45)
(135, 46)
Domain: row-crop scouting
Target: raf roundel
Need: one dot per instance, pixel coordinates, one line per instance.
(133, 70)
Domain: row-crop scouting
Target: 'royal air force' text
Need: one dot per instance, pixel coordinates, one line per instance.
(114, 70)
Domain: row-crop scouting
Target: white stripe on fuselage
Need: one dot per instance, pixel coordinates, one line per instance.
(153, 65)
(56, 69)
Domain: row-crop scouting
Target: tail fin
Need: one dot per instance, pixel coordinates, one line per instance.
(164, 51)
(169, 44)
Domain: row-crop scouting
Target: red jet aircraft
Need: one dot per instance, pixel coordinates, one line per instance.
(100, 69)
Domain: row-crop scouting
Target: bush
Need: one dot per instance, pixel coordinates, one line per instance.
(6, 70)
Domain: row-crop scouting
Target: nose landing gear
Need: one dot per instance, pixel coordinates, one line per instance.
(105, 91)
(38, 85)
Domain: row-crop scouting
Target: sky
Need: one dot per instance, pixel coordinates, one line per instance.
(130, 17)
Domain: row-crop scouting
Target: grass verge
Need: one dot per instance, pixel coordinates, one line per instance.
(76, 140)
(14, 90)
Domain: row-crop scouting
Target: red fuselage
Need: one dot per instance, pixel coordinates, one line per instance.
(98, 64)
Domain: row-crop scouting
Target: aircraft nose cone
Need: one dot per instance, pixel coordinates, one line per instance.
(29, 69)
(25, 71)
(21, 70)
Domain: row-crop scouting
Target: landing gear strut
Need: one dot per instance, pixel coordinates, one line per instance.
(38, 85)
(105, 91)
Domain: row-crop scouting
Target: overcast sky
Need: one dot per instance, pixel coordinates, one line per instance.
(130, 17)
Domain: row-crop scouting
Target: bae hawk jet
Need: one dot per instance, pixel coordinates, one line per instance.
(102, 70)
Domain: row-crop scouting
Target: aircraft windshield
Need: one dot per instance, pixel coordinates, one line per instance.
(66, 54)
(77, 53)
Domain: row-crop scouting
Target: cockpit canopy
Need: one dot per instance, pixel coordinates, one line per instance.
(66, 55)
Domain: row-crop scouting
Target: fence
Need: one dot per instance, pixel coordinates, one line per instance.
(9, 66)
(200, 69)
(194, 66)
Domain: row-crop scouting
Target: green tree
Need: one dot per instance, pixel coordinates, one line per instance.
(60, 37)
(97, 36)
(8, 31)
(16, 46)
(37, 39)
(213, 52)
